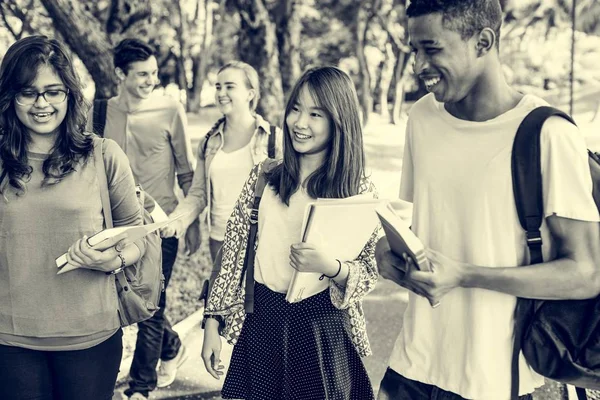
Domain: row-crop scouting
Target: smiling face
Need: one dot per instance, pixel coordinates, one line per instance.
(447, 64)
(232, 92)
(140, 79)
(41, 117)
(308, 125)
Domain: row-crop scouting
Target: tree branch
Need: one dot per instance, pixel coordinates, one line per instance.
(253, 23)
(16, 35)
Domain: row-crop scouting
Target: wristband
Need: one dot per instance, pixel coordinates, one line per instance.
(121, 267)
(336, 274)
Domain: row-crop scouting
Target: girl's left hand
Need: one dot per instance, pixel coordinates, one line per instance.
(306, 257)
(82, 255)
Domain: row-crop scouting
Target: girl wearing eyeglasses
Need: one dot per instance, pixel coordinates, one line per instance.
(60, 336)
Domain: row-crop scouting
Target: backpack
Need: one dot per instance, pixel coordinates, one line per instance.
(248, 268)
(560, 339)
(212, 131)
(139, 286)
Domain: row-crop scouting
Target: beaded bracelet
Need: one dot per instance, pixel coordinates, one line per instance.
(336, 274)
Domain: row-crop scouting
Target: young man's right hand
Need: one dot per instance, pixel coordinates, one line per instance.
(211, 349)
(397, 269)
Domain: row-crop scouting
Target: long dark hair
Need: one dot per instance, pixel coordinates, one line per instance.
(341, 173)
(18, 70)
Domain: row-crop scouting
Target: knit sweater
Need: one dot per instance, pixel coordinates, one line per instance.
(38, 308)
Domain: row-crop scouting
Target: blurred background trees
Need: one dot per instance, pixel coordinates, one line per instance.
(281, 38)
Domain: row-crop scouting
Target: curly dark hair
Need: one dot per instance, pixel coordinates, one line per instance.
(467, 17)
(18, 70)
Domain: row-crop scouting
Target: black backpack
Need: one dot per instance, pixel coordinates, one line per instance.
(99, 116)
(560, 339)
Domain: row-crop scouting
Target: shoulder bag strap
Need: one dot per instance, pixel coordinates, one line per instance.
(99, 116)
(527, 189)
(102, 181)
(271, 142)
(581, 393)
(250, 250)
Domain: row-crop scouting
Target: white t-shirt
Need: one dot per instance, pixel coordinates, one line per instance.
(458, 174)
(278, 228)
(228, 173)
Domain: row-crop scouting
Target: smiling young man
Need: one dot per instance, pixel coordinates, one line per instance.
(457, 173)
(152, 130)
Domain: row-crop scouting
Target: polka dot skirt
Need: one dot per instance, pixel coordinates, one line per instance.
(298, 351)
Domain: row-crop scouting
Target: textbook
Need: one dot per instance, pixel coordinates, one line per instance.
(107, 238)
(342, 228)
(400, 237)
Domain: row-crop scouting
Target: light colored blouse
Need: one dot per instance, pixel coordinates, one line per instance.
(228, 173)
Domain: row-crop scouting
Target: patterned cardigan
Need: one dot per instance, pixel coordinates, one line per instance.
(226, 299)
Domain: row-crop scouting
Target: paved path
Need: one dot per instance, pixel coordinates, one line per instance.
(383, 308)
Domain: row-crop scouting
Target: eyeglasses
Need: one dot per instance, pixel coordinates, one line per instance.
(53, 96)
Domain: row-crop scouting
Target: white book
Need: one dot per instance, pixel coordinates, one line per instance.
(400, 237)
(107, 238)
(341, 227)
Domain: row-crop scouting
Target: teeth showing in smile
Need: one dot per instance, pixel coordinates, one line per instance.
(431, 82)
(42, 117)
(301, 136)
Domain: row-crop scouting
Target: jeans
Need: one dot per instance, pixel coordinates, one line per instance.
(61, 375)
(156, 339)
(396, 387)
(214, 246)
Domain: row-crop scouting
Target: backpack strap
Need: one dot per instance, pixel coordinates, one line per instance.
(271, 142)
(248, 268)
(99, 116)
(581, 394)
(102, 181)
(527, 189)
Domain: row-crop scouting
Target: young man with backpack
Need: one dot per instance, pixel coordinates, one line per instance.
(458, 330)
(152, 132)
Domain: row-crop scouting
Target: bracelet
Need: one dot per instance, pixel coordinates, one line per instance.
(121, 267)
(336, 274)
(122, 260)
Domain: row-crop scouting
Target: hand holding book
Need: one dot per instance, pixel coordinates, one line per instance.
(403, 244)
(82, 255)
(308, 257)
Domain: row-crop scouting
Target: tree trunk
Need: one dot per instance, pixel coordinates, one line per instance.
(288, 39)
(385, 80)
(400, 72)
(364, 85)
(257, 45)
(87, 38)
(204, 27)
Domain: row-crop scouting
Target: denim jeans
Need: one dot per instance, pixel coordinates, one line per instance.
(156, 338)
(396, 387)
(61, 375)
(214, 246)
